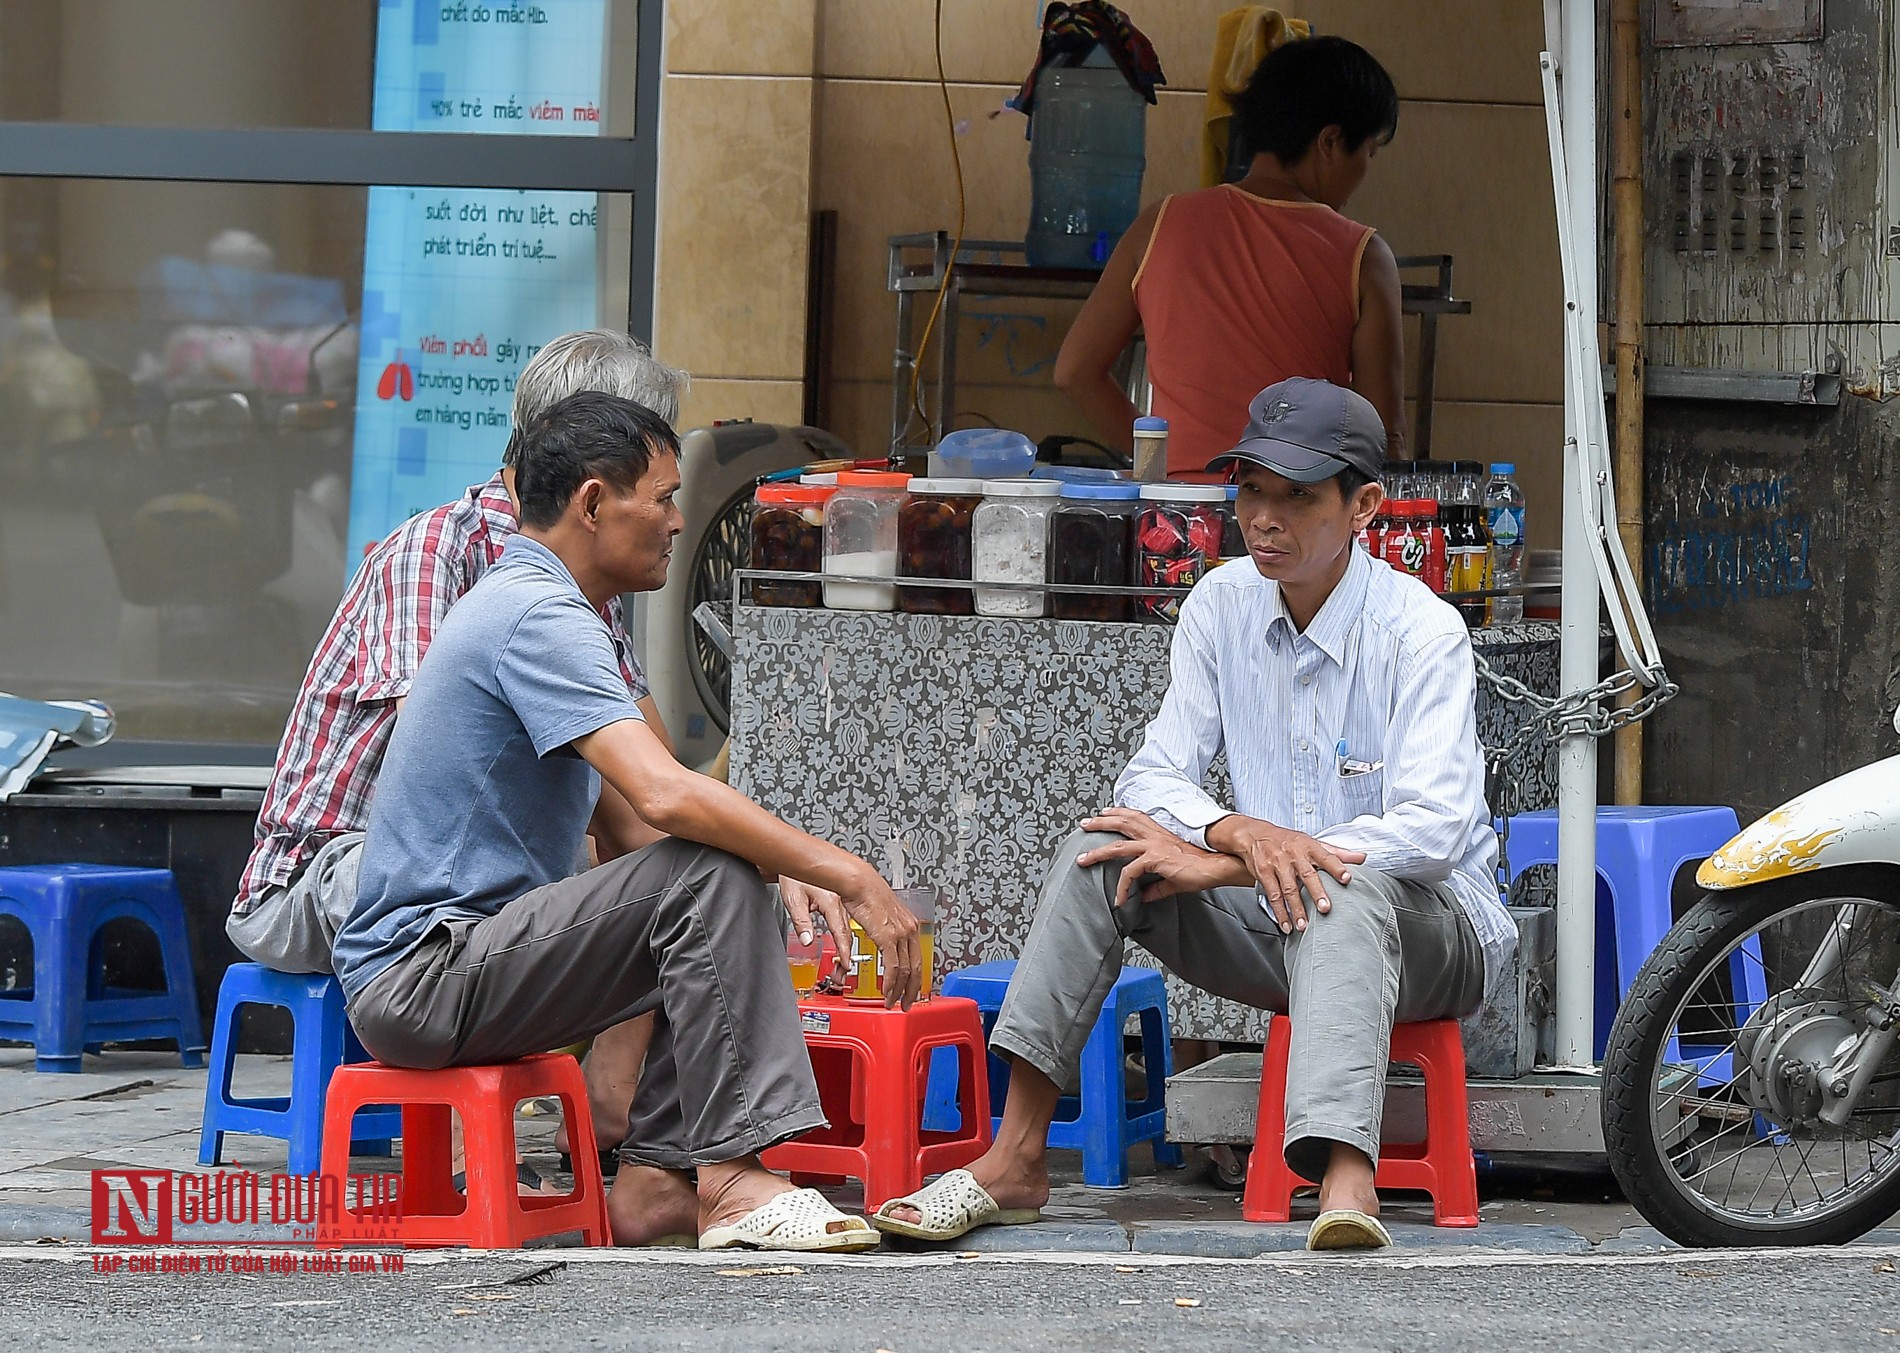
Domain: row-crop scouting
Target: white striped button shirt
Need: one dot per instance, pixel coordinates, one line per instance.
(1385, 669)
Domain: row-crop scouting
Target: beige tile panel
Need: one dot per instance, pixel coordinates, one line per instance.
(1429, 194)
(884, 165)
(1528, 435)
(762, 401)
(1174, 145)
(735, 203)
(1467, 50)
(984, 41)
(727, 37)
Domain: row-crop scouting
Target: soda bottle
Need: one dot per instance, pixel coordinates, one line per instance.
(1415, 544)
(1470, 542)
(1504, 515)
(1372, 534)
(1432, 571)
(1398, 525)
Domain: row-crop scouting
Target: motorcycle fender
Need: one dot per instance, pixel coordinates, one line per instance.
(1854, 819)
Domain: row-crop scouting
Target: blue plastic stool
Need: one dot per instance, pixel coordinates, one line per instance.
(1639, 852)
(322, 1040)
(1100, 1123)
(69, 1009)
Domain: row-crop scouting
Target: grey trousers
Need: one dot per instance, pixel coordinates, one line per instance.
(294, 929)
(681, 929)
(1388, 951)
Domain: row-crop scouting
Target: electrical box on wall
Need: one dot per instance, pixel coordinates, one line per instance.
(1772, 237)
(1704, 23)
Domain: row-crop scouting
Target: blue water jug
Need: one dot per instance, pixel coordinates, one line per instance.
(1086, 156)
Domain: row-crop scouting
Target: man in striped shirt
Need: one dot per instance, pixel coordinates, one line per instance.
(1352, 884)
(300, 882)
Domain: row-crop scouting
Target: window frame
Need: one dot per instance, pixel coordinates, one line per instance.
(311, 156)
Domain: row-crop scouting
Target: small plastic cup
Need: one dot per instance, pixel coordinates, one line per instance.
(804, 957)
(922, 903)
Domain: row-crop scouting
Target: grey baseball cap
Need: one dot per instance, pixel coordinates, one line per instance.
(1308, 430)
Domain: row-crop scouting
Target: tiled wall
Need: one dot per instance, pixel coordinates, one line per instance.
(736, 125)
(773, 111)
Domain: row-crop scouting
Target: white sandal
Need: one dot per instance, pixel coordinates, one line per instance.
(800, 1220)
(952, 1205)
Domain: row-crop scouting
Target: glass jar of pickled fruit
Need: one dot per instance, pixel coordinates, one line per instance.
(933, 541)
(788, 536)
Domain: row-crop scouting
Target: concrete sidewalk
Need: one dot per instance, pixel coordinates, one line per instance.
(141, 1109)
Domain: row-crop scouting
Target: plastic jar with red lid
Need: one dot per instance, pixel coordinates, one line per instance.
(788, 536)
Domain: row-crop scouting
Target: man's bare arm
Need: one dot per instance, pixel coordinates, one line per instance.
(650, 709)
(616, 828)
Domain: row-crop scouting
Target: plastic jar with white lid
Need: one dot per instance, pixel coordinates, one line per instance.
(933, 541)
(1009, 543)
(861, 539)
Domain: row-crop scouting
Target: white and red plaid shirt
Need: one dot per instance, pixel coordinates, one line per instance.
(340, 724)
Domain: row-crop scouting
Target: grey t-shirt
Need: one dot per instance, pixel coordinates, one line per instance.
(481, 798)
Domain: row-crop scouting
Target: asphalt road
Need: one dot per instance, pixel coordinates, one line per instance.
(1725, 1302)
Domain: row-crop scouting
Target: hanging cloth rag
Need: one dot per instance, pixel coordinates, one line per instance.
(1241, 42)
(1070, 33)
(29, 729)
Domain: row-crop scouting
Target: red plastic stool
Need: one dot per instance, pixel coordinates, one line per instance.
(493, 1215)
(872, 1066)
(1441, 1165)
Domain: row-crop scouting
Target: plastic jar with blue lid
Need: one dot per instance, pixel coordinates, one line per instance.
(1092, 544)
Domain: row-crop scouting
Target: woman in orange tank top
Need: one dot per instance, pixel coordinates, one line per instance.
(1243, 285)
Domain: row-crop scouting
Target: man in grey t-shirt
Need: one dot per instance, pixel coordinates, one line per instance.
(469, 944)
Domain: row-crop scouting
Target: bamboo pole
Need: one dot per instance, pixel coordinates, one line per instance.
(1626, 202)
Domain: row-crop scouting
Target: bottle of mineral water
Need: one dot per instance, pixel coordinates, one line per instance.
(1504, 515)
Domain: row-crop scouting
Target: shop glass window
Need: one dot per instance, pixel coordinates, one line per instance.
(213, 396)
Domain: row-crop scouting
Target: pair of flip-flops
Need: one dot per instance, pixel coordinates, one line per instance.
(954, 1204)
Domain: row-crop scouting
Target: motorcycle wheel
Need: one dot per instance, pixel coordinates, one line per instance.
(1709, 1124)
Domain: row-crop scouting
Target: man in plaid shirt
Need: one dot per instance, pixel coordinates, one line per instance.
(300, 882)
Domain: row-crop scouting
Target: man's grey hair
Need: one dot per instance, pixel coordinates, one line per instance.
(594, 359)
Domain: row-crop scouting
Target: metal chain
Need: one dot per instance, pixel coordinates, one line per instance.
(1590, 713)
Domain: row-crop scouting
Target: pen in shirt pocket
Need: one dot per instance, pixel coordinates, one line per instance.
(1347, 767)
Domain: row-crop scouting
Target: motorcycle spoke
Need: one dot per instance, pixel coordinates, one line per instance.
(1713, 1166)
(1819, 1192)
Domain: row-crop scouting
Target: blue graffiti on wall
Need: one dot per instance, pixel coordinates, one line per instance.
(1749, 540)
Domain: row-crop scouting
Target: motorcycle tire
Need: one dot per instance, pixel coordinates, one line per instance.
(1635, 1048)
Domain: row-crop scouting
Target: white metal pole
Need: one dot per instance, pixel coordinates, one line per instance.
(1578, 662)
